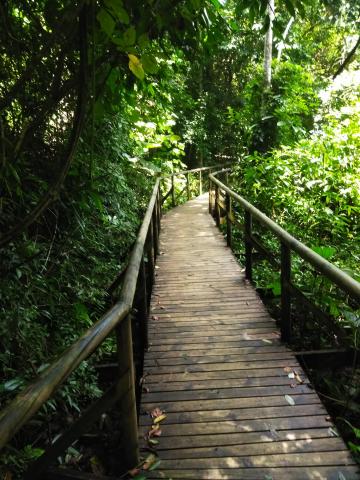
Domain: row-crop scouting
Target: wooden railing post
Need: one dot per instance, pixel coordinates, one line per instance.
(248, 245)
(127, 401)
(285, 279)
(155, 233)
(142, 305)
(150, 257)
(173, 191)
(228, 220)
(200, 183)
(217, 209)
(210, 196)
(188, 186)
(158, 211)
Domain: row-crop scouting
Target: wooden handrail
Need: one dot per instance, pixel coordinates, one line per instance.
(288, 243)
(338, 276)
(186, 173)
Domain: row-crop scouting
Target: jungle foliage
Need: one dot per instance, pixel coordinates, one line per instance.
(97, 98)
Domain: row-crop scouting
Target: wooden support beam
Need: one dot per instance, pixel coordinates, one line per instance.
(80, 426)
(285, 293)
(248, 245)
(126, 393)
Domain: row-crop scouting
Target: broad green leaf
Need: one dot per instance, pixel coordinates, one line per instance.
(149, 63)
(290, 6)
(129, 36)
(136, 67)
(107, 23)
(143, 40)
(325, 252)
(12, 384)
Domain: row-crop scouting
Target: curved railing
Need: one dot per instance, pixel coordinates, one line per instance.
(288, 244)
(137, 283)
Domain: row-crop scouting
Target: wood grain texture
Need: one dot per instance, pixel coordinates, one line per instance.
(215, 365)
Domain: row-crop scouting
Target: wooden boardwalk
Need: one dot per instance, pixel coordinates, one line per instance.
(217, 368)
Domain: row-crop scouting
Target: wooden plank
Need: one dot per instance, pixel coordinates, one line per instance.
(342, 457)
(302, 444)
(224, 393)
(215, 366)
(229, 403)
(192, 376)
(293, 473)
(207, 416)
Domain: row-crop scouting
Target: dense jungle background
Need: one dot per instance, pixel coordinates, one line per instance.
(97, 98)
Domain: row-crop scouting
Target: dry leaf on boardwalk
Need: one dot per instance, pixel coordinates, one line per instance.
(149, 461)
(298, 378)
(290, 400)
(133, 472)
(159, 419)
(157, 412)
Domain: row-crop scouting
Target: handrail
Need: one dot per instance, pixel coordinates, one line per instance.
(173, 175)
(29, 401)
(348, 284)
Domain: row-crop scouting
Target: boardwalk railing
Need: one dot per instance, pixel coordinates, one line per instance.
(138, 279)
(185, 184)
(219, 204)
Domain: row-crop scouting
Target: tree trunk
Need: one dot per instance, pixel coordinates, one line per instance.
(268, 46)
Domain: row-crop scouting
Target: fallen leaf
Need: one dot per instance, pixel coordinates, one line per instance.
(96, 466)
(293, 385)
(155, 432)
(156, 413)
(287, 369)
(333, 432)
(328, 419)
(298, 378)
(152, 441)
(290, 400)
(154, 317)
(149, 460)
(265, 340)
(145, 389)
(135, 471)
(154, 465)
(341, 476)
(291, 375)
(160, 418)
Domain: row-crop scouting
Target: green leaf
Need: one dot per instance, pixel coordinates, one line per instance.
(129, 36)
(136, 67)
(143, 40)
(107, 23)
(325, 252)
(290, 7)
(12, 384)
(117, 7)
(81, 313)
(149, 63)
